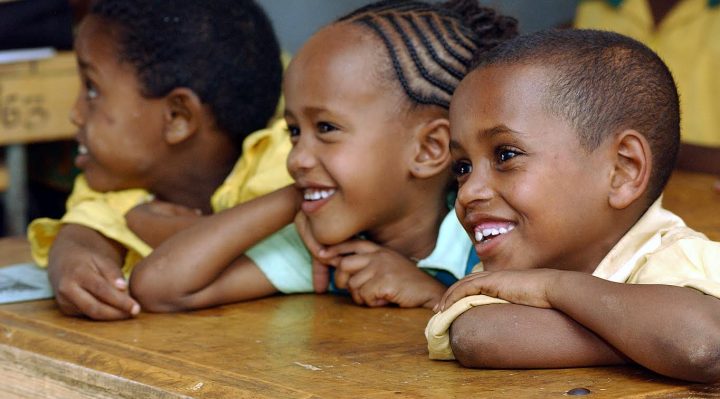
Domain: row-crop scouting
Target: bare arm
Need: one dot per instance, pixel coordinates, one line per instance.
(204, 265)
(518, 336)
(84, 272)
(156, 221)
(674, 331)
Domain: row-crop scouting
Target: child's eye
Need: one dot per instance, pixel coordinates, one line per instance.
(293, 131)
(91, 92)
(506, 154)
(461, 168)
(324, 127)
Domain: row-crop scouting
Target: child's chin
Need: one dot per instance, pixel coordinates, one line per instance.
(328, 237)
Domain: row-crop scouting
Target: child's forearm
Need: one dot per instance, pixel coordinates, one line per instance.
(197, 260)
(74, 237)
(518, 336)
(674, 331)
(155, 230)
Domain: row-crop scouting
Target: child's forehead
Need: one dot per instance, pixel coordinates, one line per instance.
(508, 99)
(336, 54)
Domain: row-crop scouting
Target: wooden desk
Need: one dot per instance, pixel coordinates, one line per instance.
(691, 196)
(35, 101)
(301, 346)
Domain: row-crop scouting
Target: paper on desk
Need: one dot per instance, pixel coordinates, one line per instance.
(23, 282)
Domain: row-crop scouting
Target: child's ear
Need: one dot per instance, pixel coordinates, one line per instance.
(183, 114)
(632, 169)
(431, 154)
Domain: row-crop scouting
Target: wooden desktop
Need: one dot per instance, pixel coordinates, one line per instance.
(297, 346)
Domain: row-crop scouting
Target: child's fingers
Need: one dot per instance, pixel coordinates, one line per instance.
(348, 266)
(349, 247)
(110, 272)
(465, 287)
(301, 224)
(109, 287)
(320, 276)
(374, 292)
(88, 305)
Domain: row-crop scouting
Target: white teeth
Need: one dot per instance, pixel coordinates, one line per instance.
(483, 234)
(478, 236)
(82, 150)
(312, 194)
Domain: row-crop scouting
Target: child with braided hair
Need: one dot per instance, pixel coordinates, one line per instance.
(367, 109)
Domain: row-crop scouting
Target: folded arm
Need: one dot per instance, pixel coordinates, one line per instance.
(674, 331)
(156, 221)
(204, 265)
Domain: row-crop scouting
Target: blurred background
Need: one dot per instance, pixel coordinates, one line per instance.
(296, 20)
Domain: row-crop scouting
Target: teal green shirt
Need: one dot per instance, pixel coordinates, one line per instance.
(286, 262)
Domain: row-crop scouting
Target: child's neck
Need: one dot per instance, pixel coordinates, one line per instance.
(415, 234)
(195, 189)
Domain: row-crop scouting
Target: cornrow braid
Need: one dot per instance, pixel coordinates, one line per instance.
(432, 46)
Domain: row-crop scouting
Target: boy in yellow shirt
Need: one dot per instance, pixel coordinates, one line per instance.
(171, 92)
(562, 143)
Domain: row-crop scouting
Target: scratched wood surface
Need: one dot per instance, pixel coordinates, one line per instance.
(301, 346)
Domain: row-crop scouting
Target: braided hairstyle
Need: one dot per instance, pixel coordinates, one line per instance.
(223, 50)
(433, 45)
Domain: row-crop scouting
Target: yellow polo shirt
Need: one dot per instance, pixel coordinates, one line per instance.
(658, 249)
(688, 40)
(260, 169)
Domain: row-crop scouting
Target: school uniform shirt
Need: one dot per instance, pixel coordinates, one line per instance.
(658, 249)
(260, 169)
(286, 262)
(687, 39)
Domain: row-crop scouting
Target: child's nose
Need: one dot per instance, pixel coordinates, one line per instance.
(478, 188)
(301, 156)
(77, 112)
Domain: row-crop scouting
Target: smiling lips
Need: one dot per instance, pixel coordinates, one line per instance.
(315, 194)
(485, 232)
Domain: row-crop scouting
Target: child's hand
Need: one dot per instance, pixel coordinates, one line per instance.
(716, 186)
(155, 221)
(522, 287)
(377, 276)
(91, 285)
(320, 271)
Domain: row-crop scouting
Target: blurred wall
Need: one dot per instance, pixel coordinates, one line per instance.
(296, 20)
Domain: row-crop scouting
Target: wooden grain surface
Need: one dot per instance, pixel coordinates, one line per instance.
(300, 346)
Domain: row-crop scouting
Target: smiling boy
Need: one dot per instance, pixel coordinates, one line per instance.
(562, 143)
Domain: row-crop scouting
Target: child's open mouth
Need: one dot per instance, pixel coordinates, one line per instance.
(488, 233)
(315, 198)
(314, 194)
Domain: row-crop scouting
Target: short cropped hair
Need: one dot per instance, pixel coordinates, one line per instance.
(431, 45)
(223, 50)
(602, 83)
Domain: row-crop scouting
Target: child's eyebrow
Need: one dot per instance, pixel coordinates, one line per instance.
(497, 130)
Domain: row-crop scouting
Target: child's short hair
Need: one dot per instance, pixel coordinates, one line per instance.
(432, 45)
(223, 50)
(603, 82)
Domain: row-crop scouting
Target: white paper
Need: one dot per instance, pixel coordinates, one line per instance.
(23, 282)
